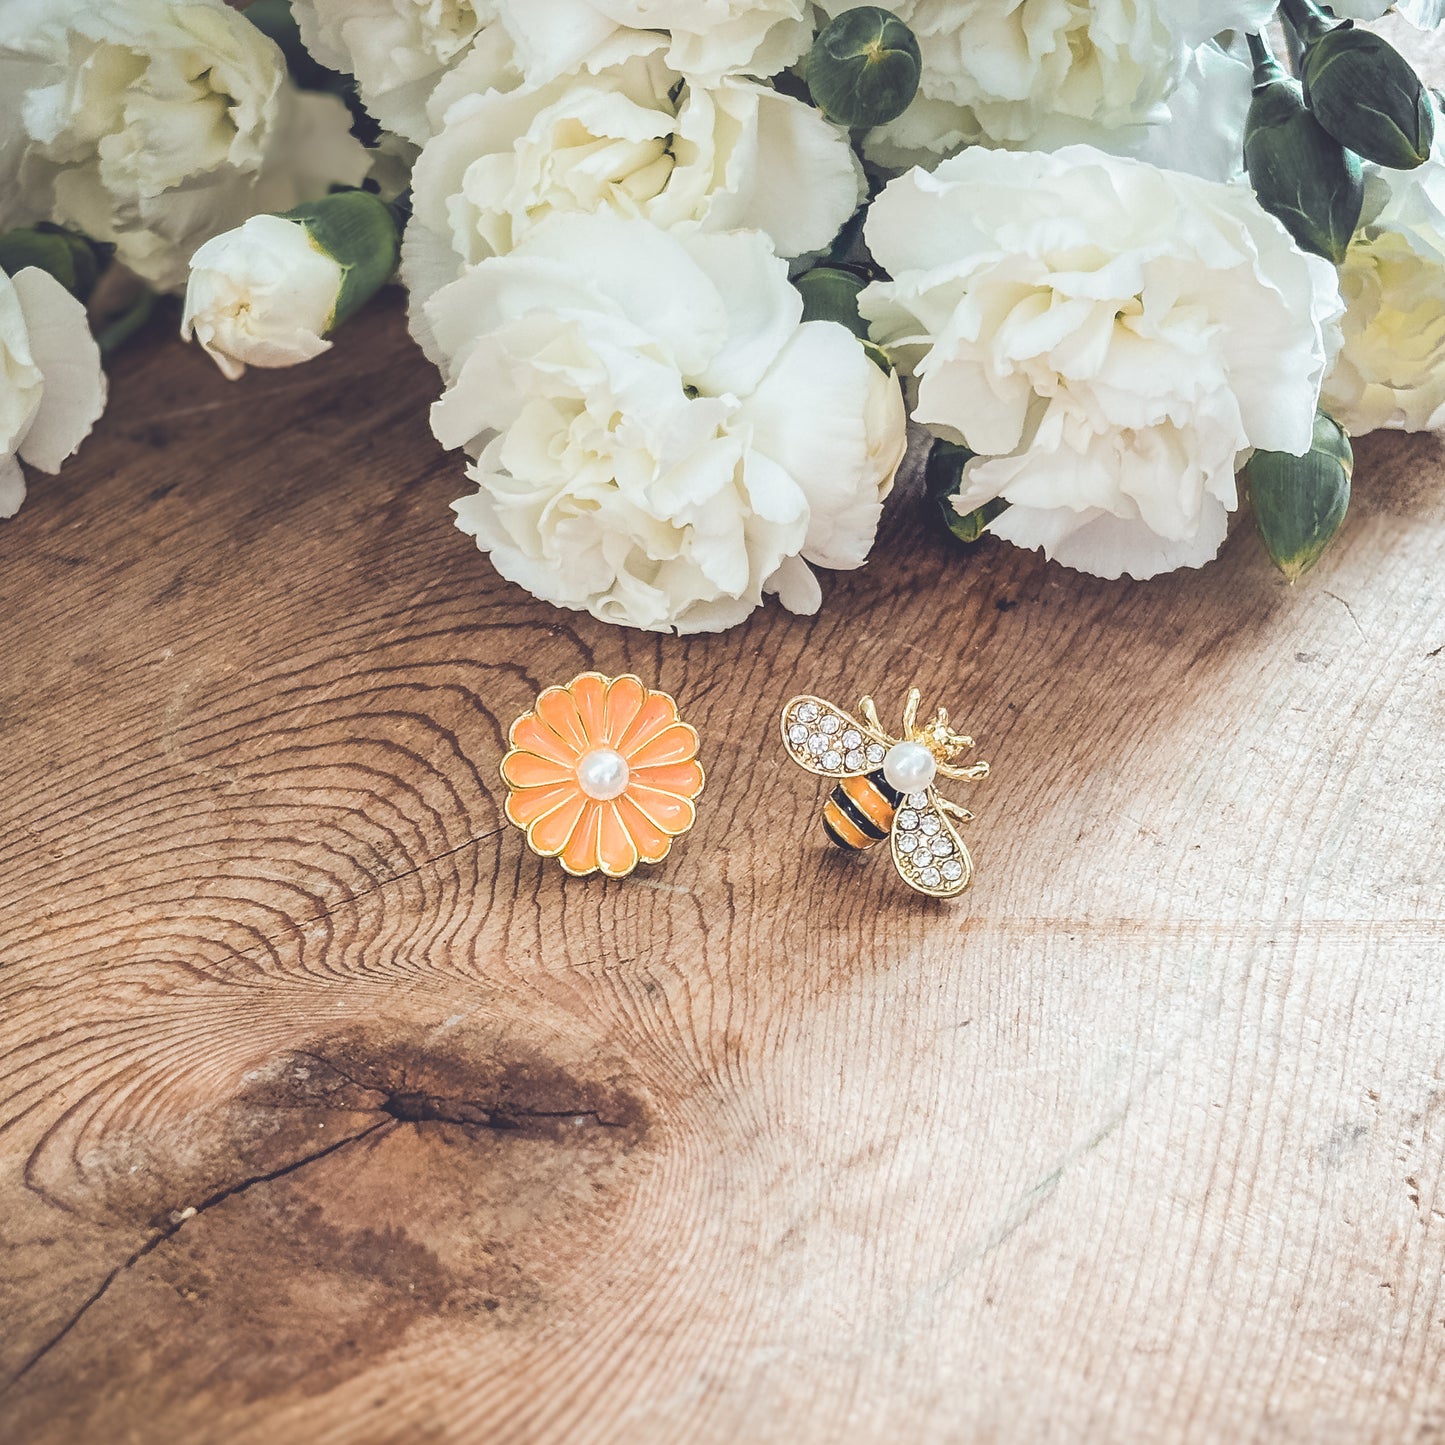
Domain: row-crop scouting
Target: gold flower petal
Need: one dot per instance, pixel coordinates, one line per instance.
(669, 812)
(652, 841)
(625, 697)
(521, 769)
(550, 834)
(530, 734)
(616, 849)
(657, 712)
(557, 709)
(676, 743)
(580, 855)
(526, 806)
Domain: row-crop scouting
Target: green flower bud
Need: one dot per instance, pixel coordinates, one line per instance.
(1301, 175)
(359, 232)
(830, 293)
(72, 259)
(943, 477)
(1300, 502)
(863, 67)
(1362, 90)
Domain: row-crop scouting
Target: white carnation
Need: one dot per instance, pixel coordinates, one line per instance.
(706, 39)
(1423, 14)
(52, 387)
(155, 125)
(1199, 130)
(1391, 369)
(637, 139)
(1006, 74)
(659, 439)
(1108, 336)
(400, 51)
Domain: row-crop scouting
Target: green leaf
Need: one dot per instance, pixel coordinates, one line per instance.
(878, 356)
(74, 260)
(943, 478)
(970, 527)
(118, 329)
(1300, 502)
(863, 67)
(830, 293)
(359, 231)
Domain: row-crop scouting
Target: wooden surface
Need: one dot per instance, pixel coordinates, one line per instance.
(330, 1114)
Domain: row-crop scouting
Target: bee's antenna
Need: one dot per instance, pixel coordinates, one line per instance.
(869, 710)
(910, 711)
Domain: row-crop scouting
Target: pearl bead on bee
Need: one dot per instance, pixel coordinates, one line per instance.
(909, 767)
(602, 774)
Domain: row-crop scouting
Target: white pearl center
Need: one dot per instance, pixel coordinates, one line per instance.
(602, 774)
(909, 767)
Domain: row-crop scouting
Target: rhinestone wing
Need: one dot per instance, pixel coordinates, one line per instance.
(927, 851)
(826, 740)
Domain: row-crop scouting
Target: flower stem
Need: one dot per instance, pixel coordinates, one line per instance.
(115, 333)
(1266, 67)
(1306, 19)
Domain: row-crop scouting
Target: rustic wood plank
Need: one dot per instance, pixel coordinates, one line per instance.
(327, 1113)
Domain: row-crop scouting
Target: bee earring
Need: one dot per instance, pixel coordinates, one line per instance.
(885, 787)
(601, 774)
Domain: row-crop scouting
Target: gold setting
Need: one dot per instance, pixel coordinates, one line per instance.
(627, 813)
(926, 848)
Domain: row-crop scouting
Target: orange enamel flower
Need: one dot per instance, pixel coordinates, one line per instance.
(601, 774)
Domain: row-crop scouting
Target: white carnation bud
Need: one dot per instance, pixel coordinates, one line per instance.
(262, 295)
(267, 293)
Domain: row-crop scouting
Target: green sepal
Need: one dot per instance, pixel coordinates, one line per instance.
(863, 67)
(830, 293)
(943, 477)
(878, 356)
(1301, 174)
(1300, 502)
(72, 259)
(359, 231)
(969, 528)
(1362, 90)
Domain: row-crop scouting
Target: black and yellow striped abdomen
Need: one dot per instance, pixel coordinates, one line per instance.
(859, 811)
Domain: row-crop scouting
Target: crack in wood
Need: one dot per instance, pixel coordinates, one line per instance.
(412, 1107)
(396, 1105)
(177, 1223)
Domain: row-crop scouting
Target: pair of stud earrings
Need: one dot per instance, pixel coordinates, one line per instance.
(602, 775)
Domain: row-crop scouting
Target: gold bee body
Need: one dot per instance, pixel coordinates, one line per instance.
(885, 786)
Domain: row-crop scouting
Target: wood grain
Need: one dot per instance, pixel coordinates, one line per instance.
(328, 1113)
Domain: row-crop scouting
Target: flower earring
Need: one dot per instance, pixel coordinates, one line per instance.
(601, 774)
